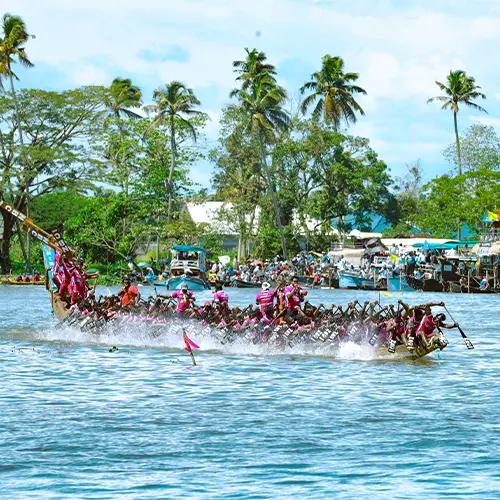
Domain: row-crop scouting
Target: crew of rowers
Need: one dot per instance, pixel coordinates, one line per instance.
(29, 278)
(281, 314)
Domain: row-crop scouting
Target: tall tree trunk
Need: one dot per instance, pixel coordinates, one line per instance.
(459, 164)
(8, 231)
(457, 139)
(21, 240)
(172, 167)
(274, 199)
(21, 141)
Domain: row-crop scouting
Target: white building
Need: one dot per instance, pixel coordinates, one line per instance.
(218, 216)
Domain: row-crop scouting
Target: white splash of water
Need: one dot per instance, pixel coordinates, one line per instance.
(169, 336)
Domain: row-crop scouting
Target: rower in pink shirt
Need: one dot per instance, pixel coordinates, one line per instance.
(220, 298)
(294, 295)
(184, 297)
(265, 301)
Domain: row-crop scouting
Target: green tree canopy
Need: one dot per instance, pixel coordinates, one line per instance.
(334, 92)
(480, 148)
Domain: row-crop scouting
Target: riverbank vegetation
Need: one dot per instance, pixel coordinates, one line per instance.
(115, 172)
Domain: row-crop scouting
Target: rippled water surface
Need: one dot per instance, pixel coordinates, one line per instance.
(247, 422)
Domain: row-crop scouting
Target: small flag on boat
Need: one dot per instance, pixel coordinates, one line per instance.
(190, 345)
(387, 294)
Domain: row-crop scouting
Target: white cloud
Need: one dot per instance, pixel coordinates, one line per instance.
(398, 51)
(90, 75)
(486, 120)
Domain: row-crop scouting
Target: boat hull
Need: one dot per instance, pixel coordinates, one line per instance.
(26, 283)
(402, 352)
(176, 282)
(428, 285)
(245, 284)
(457, 288)
(357, 282)
(348, 281)
(397, 284)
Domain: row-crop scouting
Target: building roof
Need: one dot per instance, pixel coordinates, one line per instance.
(212, 214)
(374, 222)
(409, 242)
(363, 235)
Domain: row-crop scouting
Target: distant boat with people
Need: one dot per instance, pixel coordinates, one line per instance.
(356, 280)
(188, 267)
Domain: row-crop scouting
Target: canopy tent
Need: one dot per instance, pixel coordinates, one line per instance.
(188, 248)
(442, 246)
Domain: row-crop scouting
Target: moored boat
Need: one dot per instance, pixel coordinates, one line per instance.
(398, 283)
(244, 284)
(458, 288)
(188, 267)
(425, 285)
(357, 281)
(348, 280)
(12, 281)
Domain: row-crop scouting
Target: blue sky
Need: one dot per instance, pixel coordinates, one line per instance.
(399, 48)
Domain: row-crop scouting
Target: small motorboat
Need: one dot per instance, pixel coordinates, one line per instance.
(425, 285)
(398, 283)
(244, 284)
(355, 280)
(12, 281)
(188, 267)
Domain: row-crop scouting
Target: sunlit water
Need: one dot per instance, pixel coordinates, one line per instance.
(248, 421)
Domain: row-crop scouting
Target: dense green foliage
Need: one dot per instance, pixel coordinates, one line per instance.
(116, 172)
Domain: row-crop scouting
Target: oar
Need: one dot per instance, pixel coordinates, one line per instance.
(467, 341)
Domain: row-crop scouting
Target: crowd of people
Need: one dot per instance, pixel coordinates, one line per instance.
(322, 269)
(257, 272)
(280, 315)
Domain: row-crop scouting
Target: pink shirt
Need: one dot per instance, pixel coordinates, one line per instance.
(183, 301)
(293, 301)
(427, 325)
(265, 298)
(221, 296)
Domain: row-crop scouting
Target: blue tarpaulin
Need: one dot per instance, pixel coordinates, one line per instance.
(188, 248)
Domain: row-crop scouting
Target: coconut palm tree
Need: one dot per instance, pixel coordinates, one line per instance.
(247, 69)
(262, 99)
(118, 99)
(122, 96)
(13, 37)
(175, 103)
(333, 92)
(459, 88)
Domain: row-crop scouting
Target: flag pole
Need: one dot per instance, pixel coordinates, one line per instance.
(189, 347)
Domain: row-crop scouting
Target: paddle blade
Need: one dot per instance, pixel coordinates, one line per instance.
(468, 343)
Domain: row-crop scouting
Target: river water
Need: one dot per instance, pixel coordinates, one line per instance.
(247, 422)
